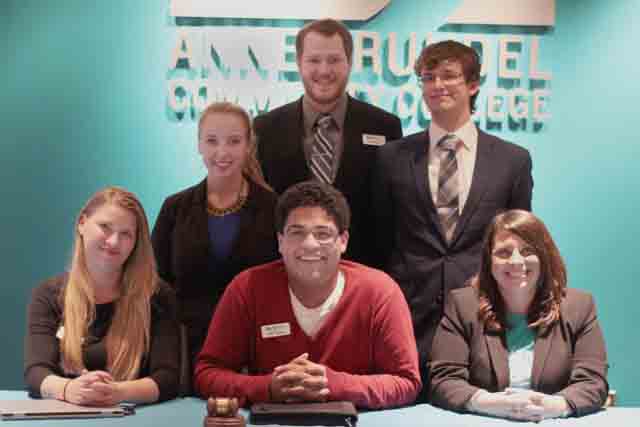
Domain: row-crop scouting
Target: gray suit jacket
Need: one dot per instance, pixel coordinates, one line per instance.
(411, 245)
(569, 359)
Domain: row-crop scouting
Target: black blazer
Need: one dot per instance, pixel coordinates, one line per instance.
(280, 135)
(569, 359)
(412, 246)
(181, 244)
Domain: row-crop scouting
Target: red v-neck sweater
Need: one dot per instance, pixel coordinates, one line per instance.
(366, 343)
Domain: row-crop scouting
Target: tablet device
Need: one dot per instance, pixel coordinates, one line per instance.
(337, 413)
(51, 408)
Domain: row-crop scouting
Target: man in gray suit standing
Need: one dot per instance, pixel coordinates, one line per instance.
(436, 191)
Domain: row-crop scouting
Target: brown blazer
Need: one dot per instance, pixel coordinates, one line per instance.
(569, 360)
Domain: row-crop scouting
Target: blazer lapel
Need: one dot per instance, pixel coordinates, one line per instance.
(423, 184)
(200, 225)
(291, 149)
(479, 182)
(349, 168)
(244, 241)
(499, 359)
(541, 351)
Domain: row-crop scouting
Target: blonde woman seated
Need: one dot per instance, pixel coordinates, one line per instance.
(105, 332)
(518, 343)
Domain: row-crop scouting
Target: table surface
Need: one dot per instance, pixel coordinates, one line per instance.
(191, 411)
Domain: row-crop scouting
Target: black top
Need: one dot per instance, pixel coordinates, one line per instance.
(42, 347)
(182, 246)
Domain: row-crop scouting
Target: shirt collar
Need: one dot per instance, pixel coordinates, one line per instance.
(467, 133)
(311, 116)
(328, 304)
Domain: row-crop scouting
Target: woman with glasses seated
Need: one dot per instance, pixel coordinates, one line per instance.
(105, 332)
(518, 343)
(208, 233)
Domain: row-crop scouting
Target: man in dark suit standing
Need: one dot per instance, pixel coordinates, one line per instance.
(435, 192)
(326, 134)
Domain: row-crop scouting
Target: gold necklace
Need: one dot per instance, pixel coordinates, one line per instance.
(235, 207)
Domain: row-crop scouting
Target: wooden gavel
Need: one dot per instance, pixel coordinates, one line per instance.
(223, 411)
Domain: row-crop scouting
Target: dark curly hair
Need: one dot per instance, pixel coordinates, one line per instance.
(313, 194)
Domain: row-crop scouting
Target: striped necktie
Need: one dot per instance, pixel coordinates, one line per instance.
(447, 203)
(322, 150)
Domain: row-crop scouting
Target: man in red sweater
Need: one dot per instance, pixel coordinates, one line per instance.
(311, 327)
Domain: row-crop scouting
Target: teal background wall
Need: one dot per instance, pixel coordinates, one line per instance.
(82, 105)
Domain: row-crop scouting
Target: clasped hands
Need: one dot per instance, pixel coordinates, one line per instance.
(300, 380)
(93, 388)
(522, 405)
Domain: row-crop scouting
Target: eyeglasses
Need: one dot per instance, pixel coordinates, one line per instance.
(447, 79)
(322, 235)
(505, 254)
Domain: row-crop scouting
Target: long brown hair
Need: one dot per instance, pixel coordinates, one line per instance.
(251, 169)
(551, 288)
(128, 337)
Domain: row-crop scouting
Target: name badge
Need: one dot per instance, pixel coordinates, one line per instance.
(275, 330)
(377, 140)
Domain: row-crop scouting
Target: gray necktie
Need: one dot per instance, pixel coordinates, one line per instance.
(448, 187)
(322, 150)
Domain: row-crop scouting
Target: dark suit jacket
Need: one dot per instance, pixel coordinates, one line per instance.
(280, 151)
(411, 243)
(569, 359)
(181, 244)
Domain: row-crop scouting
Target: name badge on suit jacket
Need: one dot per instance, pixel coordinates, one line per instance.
(377, 140)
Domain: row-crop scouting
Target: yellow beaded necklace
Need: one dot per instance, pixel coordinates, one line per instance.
(235, 207)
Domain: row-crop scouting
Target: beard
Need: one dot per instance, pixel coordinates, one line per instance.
(324, 98)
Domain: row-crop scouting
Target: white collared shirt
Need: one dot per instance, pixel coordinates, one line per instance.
(311, 319)
(466, 158)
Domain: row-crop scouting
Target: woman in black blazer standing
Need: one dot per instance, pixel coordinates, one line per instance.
(210, 232)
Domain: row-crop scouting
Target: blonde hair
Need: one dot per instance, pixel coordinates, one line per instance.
(251, 169)
(128, 337)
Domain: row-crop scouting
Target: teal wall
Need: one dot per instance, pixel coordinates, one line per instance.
(587, 170)
(83, 105)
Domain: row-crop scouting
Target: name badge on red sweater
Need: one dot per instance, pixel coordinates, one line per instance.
(275, 330)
